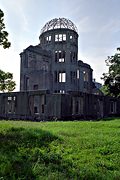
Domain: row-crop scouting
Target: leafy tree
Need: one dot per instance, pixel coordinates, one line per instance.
(104, 89)
(112, 78)
(3, 34)
(6, 82)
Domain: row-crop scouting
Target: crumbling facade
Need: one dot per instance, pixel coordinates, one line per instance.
(53, 64)
(54, 84)
(43, 105)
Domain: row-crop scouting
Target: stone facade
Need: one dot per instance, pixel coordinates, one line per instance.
(54, 84)
(53, 64)
(42, 105)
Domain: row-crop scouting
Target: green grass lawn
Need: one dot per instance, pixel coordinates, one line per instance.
(60, 150)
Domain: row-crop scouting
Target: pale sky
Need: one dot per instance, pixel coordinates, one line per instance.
(98, 23)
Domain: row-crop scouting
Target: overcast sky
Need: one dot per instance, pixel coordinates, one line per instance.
(98, 23)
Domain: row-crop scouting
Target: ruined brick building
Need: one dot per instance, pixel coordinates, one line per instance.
(53, 64)
(54, 84)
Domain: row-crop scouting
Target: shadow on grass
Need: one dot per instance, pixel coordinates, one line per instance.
(30, 154)
(20, 150)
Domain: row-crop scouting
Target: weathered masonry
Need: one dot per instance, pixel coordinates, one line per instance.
(54, 83)
(42, 105)
(53, 64)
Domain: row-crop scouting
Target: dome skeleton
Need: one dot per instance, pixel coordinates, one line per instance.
(60, 23)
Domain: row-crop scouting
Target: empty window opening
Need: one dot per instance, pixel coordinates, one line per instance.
(112, 107)
(77, 107)
(60, 37)
(85, 76)
(55, 76)
(61, 60)
(10, 98)
(35, 109)
(62, 91)
(48, 38)
(62, 77)
(71, 37)
(35, 87)
(78, 74)
(64, 37)
(56, 37)
(11, 104)
(43, 108)
(60, 56)
(56, 52)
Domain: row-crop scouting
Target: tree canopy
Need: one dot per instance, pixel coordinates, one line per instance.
(3, 34)
(6, 81)
(112, 78)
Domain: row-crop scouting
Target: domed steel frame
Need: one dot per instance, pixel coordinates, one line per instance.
(59, 23)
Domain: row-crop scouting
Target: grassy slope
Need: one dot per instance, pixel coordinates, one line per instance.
(60, 150)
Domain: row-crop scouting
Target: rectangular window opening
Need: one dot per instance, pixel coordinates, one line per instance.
(113, 107)
(85, 76)
(78, 74)
(64, 37)
(62, 77)
(56, 53)
(61, 60)
(60, 37)
(48, 38)
(56, 37)
(42, 108)
(9, 98)
(35, 87)
(35, 109)
(61, 56)
(62, 91)
(55, 76)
